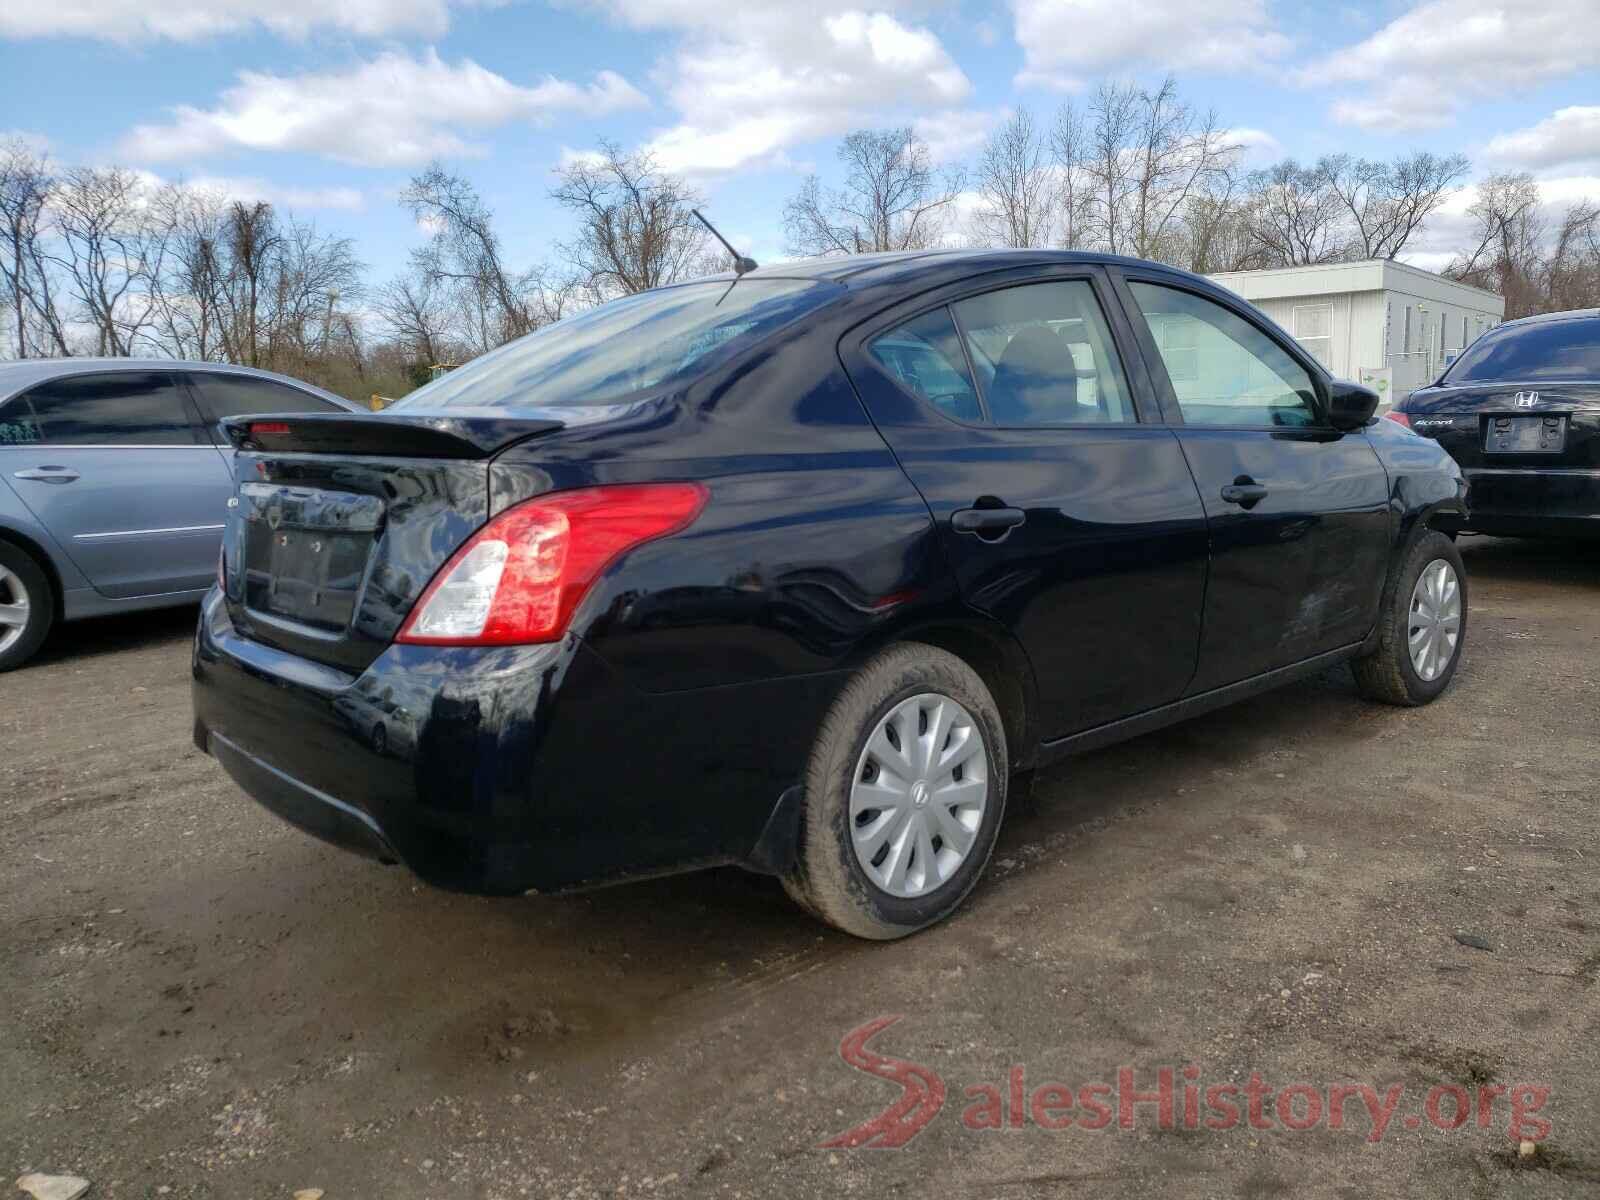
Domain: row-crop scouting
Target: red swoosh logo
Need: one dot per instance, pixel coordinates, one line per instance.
(896, 1125)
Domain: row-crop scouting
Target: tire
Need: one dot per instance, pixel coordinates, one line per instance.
(907, 686)
(1389, 674)
(23, 581)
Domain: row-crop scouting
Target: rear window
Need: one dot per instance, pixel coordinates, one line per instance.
(1547, 350)
(632, 345)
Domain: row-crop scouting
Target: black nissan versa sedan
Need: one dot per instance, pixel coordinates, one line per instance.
(1520, 411)
(796, 570)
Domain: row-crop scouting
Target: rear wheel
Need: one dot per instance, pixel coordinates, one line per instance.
(1422, 628)
(27, 606)
(904, 795)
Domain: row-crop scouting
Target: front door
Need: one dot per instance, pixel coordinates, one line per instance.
(116, 467)
(1298, 511)
(1063, 515)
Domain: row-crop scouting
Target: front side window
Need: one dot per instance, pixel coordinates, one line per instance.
(925, 356)
(223, 395)
(1224, 370)
(628, 347)
(117, 408)
(1546, 350)
(1045, 356)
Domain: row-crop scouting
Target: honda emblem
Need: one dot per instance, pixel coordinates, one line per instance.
(1525, 399)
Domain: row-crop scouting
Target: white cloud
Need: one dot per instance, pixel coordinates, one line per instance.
(1419, 69)
(1067, 42)
(393, 111)
(753, 80)
(189, 20)
(1258, 145)
(36, 142)
(1569, 135)
(955, 133)
(251, 190)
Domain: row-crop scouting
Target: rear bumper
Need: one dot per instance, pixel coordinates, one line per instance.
(504, 770)
(1530, 501)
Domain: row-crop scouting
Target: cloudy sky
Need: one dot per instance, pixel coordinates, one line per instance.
(328, 105)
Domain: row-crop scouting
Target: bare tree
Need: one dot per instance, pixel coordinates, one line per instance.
(416, 313)
(1295, 216)
(1215, 233)
(892, 198)
(1508, 230)
(464, 251)
(1016, 190)
(636, 227)
(1178, 153)
(1069, 149)
(26, 187)
(109, 250)
(1387, 202)
(1113, 125)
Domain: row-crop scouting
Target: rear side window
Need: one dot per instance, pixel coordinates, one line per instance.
(1045, 355)
(1547, 350)
(1223, 369)
(223, 395)
(118, 408)
(925, 355)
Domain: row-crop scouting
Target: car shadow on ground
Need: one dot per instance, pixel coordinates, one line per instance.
(118, 634)
(1518, 560)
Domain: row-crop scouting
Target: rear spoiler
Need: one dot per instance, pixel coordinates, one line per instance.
(382, 434)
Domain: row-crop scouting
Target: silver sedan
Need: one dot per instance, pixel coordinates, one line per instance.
(114, 481)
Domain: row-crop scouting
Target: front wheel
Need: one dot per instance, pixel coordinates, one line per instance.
(904, 794)
(27, 606)
(1422, 628)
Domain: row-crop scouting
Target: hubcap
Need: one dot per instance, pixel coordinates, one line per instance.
(13, 608)
(1435, 623)
(921, 787)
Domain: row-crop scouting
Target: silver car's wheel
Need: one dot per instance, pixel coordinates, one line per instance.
(15, 608)
(921, 788)
(1435, 622)
(27, 606)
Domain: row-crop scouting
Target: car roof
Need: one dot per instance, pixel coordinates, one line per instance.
(896, 266)
(1571, 314)
(24, 373)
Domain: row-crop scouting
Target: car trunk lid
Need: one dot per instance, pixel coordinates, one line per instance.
(339, 522)
(1511, 425)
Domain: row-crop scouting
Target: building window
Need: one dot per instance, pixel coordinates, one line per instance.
(1405, 331)
(1463, 331)
(1313, 329)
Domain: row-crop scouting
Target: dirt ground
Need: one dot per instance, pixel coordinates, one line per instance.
(198, 1001)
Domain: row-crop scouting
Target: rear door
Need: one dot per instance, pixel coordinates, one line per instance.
(115, 465)
(1298, 511)
(1016, 413)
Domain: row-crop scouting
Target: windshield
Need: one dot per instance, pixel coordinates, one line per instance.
(628, 346)
(1545, 350)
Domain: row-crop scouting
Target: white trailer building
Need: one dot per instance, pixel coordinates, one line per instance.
(1387, 325)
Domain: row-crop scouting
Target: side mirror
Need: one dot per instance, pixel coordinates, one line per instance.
(1350, 406)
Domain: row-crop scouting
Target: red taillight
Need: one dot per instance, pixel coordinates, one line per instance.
(1398, 417)
(520, 577)
(257, 428)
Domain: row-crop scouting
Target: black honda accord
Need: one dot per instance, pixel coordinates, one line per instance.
(799, 569)
(1520, 411)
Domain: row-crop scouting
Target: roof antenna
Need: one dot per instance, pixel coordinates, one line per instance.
(741, 264)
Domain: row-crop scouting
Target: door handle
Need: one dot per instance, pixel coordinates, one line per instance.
(991, 524)
(48, 474)
(1244, 491)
